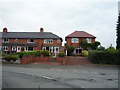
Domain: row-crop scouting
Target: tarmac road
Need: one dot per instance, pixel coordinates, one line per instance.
(36, 76)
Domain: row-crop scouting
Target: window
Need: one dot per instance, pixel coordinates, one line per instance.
(48, 40)
(16, 40)
(18, 49)
(78, 50)
(88, 40)
(74, 40)
(28, 48)
(5, 40)
(5, 48)
(31, 40)
(13, 48)
(58, 40)
(56, 49)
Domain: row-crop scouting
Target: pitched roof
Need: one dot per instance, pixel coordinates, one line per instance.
(41, 35)
(80, 34)
(20, 44)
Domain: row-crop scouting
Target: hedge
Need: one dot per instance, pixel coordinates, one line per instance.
(10, 57)
(61, 54)
(36, 53)
(104, 57)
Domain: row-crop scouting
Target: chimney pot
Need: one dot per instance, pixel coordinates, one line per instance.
(5, 30)
(41, 30)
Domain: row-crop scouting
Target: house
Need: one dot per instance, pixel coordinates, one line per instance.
(13, 42)
(76, 37)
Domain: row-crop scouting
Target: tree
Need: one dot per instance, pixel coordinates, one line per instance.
(95, 45)
(118, 33)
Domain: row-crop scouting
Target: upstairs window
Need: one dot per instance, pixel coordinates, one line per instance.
(58, 40)
(48, 40)
(88, 40)
(74, 40)
(5, 40)
(31, 40)
(16, 40)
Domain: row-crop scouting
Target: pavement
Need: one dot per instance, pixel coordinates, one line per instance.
(57, 76)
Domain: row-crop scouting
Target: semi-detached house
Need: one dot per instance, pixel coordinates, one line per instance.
(13, 42)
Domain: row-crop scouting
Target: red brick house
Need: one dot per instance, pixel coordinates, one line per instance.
(13, 42)
(75, 38)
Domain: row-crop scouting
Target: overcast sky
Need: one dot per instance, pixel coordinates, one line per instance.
(62, 17)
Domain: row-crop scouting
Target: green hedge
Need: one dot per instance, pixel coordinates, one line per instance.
(104, 57)
(10, 57)
(36, 53)
(61, 54)
(45, 53)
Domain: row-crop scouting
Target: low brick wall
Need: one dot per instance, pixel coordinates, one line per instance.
(32, 58)
(62, 59)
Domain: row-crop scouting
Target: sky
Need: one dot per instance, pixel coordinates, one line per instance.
(62, 17)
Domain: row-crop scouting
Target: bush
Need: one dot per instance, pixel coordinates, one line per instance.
(7, 57)
(104, 57)
(101, 48)
(85, 53)
(45, 53)
(14, 57)
(11, 57)
(38, 53)
(20, 54)
(61, 54)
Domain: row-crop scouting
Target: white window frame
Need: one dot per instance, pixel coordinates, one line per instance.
(29, 41)
(6, 40)
(16, 40)
(13, 48)
(43, 48)
(73, 40)
(5, 48)
(48, 41)
(26, 49)
(55, 49)
(88, 40)
(18, 47)
(58, 40)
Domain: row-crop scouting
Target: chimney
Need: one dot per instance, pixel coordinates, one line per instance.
(41, 30)
(5, 30)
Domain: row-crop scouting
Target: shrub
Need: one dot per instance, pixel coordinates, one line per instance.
(104, 57)
(61, 54)
(85, 53)
(11, 57)
(14, 57)
(20, 54)
(101, 48)
(45, 53)
(38, 53)
(7, 57)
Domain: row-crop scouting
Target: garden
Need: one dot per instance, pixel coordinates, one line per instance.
(32, 56)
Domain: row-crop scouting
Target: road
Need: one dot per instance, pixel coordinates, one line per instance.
(47, 76)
